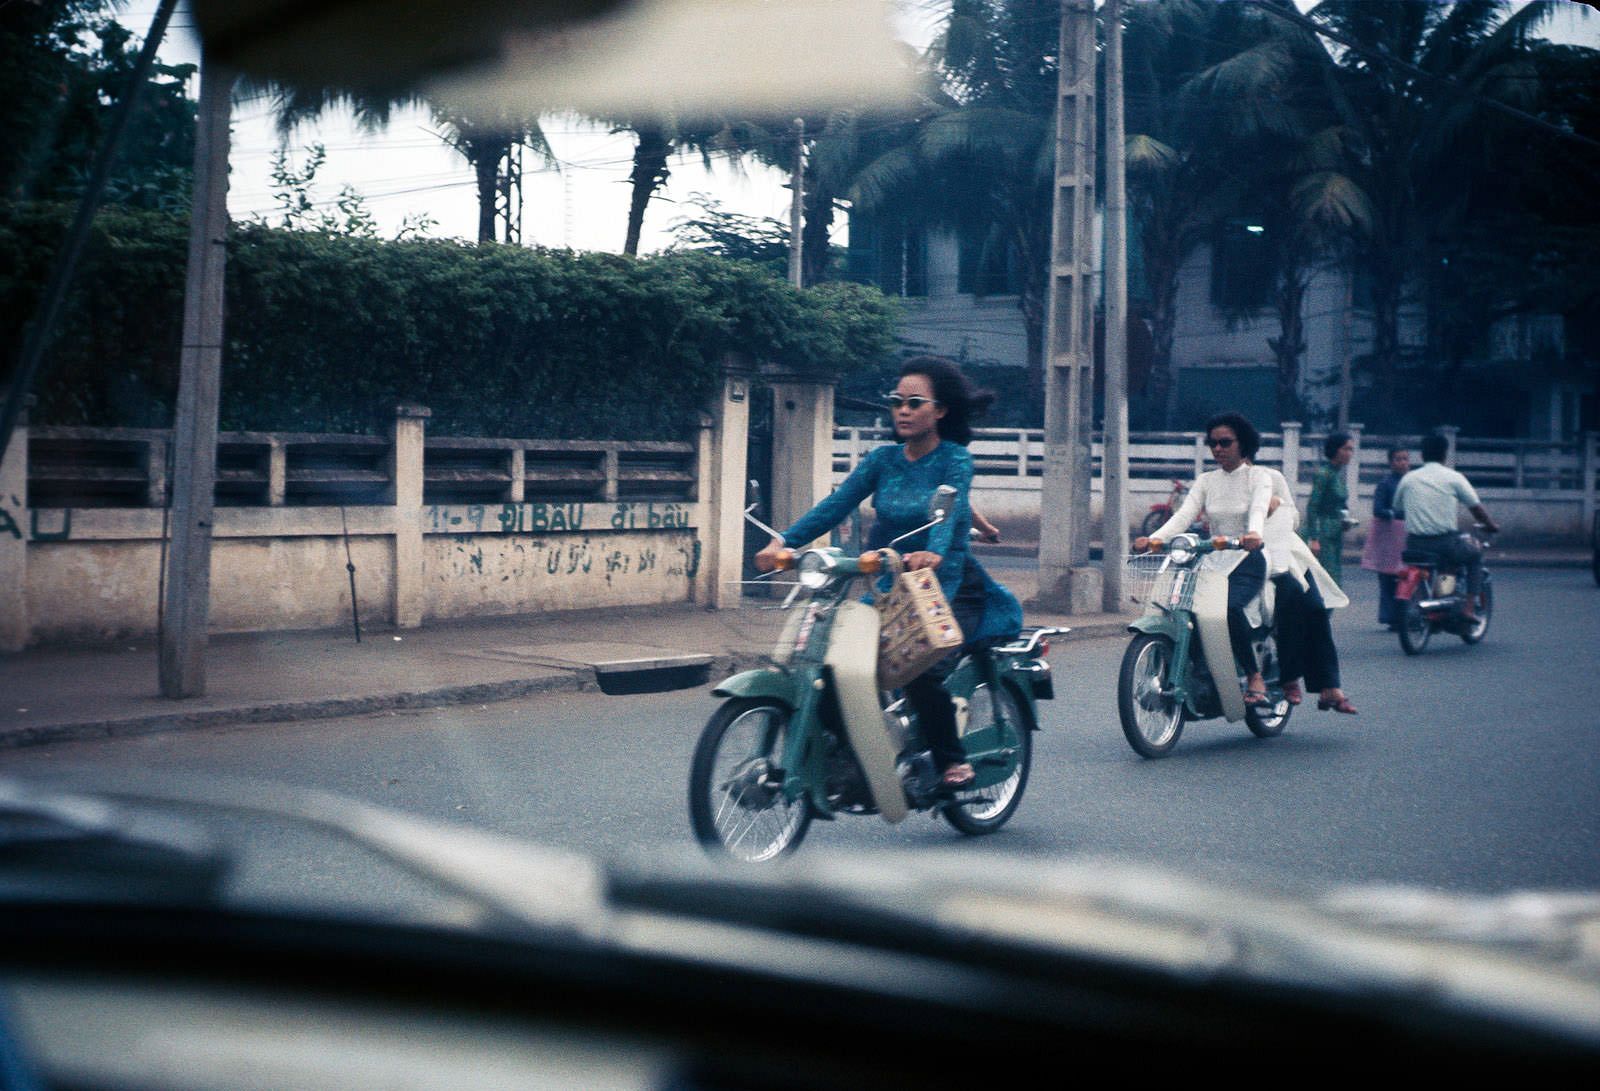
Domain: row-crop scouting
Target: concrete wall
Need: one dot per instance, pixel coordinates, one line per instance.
(94, 574)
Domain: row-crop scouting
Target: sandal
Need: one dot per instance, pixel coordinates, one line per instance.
(1340, 704)
(1256, 696)
(959, 775)
(1292, 694)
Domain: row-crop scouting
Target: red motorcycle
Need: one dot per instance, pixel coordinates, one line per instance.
(1160, 513)
(1432, 598)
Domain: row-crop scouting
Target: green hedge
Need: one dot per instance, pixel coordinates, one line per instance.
(325, 332)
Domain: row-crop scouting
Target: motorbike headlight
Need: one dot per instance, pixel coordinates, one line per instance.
(1181, 550)
(815, 569)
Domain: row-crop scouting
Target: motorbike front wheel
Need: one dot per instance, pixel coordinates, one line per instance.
(1151, 718)
(736, 805)
(1415, 628)
(985, 810)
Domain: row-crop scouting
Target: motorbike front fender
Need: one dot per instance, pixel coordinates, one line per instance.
(1157, 624)
(761, 683)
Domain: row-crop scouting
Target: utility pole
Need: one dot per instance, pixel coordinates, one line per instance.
(1114, 456)
(1066, 582)
(797, 204)
(188, 585)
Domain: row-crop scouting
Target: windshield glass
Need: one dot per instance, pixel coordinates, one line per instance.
(382, 405)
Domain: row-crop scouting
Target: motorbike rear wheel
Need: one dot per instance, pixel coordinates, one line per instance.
(1151, 721)
(1480, 629)
(1153, 519)
(987, 809)
(1415, 628)
(734, 806)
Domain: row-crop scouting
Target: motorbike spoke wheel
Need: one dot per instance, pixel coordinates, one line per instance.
(1415, 628)
(1480, 628)
(1151, 719)
(985, 810)
(734, 804)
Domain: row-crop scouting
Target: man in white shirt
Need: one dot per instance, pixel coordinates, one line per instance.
(1426, 499)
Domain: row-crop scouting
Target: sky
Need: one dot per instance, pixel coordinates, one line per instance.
(581, 202)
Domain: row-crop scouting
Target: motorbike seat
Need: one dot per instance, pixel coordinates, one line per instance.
(1419, 556)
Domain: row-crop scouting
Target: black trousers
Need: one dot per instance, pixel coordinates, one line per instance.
(1452, 549)
(936, 712)
(1305, 635)
(1244, 583)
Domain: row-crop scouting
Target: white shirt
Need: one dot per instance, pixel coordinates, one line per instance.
(1235, 503)
(1426, 498)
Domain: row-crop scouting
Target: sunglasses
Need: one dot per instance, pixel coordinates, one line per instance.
(916, 401)
(1223, 442)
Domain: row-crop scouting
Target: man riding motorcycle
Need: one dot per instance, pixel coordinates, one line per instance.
(1426, 499)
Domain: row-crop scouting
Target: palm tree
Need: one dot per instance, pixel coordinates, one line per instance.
(1202, 80)
(1409, 84)
(978, 156)
(484, 142)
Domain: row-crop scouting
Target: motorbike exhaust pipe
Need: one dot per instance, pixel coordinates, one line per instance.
(1437, 604)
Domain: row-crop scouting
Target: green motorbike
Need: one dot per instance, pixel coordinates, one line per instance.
(813, 737)
(1179, 666)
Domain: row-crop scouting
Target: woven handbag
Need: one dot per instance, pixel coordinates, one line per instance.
(916, 625)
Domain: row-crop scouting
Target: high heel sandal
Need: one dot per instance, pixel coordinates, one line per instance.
(1292, 694)
(959, 776)
(1341, 704)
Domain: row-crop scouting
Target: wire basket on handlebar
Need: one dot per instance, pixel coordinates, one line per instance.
(1145, 574)
(768, 616)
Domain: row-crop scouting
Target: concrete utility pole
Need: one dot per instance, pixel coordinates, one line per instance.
(188, 601)
(1114, 456)
(1066, 582)
(797, 205)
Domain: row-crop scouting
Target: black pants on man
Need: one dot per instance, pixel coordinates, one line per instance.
(1453, 551)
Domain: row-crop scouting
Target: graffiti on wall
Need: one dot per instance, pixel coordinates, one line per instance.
(574, 558)
(59, 532)
(553, 518)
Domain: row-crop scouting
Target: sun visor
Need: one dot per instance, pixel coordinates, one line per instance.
(619, 58)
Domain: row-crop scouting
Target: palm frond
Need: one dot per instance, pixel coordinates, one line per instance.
(885, 178)
(1332, 200)
(1146, 153)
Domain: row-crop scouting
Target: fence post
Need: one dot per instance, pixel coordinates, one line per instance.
(1449, 432)
(1022, 452)
(1352, 472)
(723, 534)
(1291, 454)
(517, 467)
(1199, 456)
(1587, 477)
(407, 436)
(277, 473)
(14, 624)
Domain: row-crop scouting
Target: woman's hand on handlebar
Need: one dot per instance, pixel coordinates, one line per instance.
(921, 559)
(767, 559)
(1142, 544)
(1251, 541)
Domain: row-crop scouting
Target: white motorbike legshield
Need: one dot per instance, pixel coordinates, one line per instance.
(1211, 621)
(853, 658)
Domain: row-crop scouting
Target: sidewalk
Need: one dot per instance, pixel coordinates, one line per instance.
(68, 693)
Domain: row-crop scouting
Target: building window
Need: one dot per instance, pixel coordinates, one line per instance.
(1241, 267)
(993, 273)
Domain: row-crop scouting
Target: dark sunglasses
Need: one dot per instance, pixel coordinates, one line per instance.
(1223, 442)
(916, 401)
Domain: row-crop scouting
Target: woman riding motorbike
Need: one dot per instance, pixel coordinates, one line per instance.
(1235, 498)
(933, 407)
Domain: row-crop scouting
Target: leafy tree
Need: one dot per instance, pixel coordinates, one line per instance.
(64, 67)
(763, 240)
(300, 210)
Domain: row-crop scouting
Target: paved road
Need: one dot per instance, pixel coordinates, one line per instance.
(1473, 769)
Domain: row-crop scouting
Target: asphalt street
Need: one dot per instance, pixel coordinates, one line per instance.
(1470, 769)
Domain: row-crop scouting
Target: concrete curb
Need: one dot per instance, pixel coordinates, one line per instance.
(577, 680)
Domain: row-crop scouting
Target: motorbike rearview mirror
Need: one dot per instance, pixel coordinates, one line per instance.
(752, 495)
(944, 498)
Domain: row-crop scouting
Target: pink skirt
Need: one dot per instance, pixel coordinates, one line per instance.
(1386, 539)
